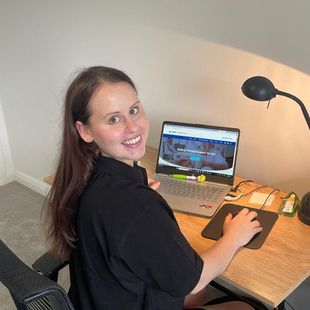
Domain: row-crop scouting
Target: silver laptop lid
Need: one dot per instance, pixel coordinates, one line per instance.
(194, 149)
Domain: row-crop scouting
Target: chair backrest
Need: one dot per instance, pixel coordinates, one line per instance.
(29, 289)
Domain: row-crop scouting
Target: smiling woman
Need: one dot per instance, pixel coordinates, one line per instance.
(124, 246)
(89, 130)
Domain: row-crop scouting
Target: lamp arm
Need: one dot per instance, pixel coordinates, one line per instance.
(302, 106)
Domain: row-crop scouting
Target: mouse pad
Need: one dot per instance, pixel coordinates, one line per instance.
(214, 228)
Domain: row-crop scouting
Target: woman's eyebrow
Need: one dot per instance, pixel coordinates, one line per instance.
(138, 101)
(117, 112)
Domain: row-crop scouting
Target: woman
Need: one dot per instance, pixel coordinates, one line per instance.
(125, 248)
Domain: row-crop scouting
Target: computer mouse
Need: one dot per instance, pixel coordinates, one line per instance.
(236, 213)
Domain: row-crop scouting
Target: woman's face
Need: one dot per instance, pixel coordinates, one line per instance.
(117, 122)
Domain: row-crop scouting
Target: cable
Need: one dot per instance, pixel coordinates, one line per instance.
(263, 205)
(232, 197)
(236, 187)
(254, 190)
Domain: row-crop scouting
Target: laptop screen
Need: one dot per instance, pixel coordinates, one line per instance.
(193, 149)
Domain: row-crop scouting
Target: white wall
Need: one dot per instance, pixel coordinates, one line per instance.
(188, 59)
(6, 163)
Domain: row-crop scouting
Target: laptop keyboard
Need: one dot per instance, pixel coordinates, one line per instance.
(189, 189)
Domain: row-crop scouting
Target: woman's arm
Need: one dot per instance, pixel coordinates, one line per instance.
(238, 231)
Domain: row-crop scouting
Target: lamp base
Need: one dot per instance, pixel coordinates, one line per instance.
(304, 209)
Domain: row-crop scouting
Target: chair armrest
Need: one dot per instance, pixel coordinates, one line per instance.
(49, 265)
(29, 289)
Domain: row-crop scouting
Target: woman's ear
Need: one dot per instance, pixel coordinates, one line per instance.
(83, 132)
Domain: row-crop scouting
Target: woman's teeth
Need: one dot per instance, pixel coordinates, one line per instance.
(133, 141)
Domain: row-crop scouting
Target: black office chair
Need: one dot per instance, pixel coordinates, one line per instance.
(29, 289)
(37, 289)
(49, 265)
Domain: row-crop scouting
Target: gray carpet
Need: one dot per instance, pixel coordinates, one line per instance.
(20, 226)
(21, 229)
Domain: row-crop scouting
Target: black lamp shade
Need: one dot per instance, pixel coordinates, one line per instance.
(259, 88)
(304, 209)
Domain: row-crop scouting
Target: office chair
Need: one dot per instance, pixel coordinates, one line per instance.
(37, 289)
(29, 289)
(49, 265)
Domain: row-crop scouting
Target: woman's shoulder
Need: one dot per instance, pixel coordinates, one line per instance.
(116, 208)
(109, 191)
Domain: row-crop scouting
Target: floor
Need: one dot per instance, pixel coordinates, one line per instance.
(21, 230)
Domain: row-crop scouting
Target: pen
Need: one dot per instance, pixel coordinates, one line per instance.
(200, 178)
(183, 177)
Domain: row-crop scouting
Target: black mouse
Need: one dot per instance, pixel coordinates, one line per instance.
(235, 213)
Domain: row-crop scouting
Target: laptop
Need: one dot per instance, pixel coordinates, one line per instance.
(187, 151)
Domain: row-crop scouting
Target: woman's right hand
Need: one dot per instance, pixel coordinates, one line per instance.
(153, 184)
(238, 231)
(242, 227)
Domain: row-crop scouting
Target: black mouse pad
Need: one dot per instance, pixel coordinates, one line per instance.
(214, 228)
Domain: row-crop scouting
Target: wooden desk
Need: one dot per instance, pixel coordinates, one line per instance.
(270, 273)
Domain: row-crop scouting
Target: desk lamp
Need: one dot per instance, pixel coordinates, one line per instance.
(260, 88)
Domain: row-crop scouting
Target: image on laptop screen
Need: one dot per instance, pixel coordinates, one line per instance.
(198, 149)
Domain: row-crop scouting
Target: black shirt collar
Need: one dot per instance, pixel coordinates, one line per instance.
(115, 167)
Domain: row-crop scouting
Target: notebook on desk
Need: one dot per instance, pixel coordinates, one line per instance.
(194, 150)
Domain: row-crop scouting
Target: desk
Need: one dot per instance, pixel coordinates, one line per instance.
(270, 273)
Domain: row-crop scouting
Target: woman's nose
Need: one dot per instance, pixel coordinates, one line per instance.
(131, 125)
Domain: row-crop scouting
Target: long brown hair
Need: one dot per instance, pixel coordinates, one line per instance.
(76, 159)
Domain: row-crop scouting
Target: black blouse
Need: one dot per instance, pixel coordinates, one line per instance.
(130, 252)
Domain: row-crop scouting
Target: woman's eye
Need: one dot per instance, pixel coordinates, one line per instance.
(114, 119)
(134, 110)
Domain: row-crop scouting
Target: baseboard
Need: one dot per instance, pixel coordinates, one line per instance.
(32, 183)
